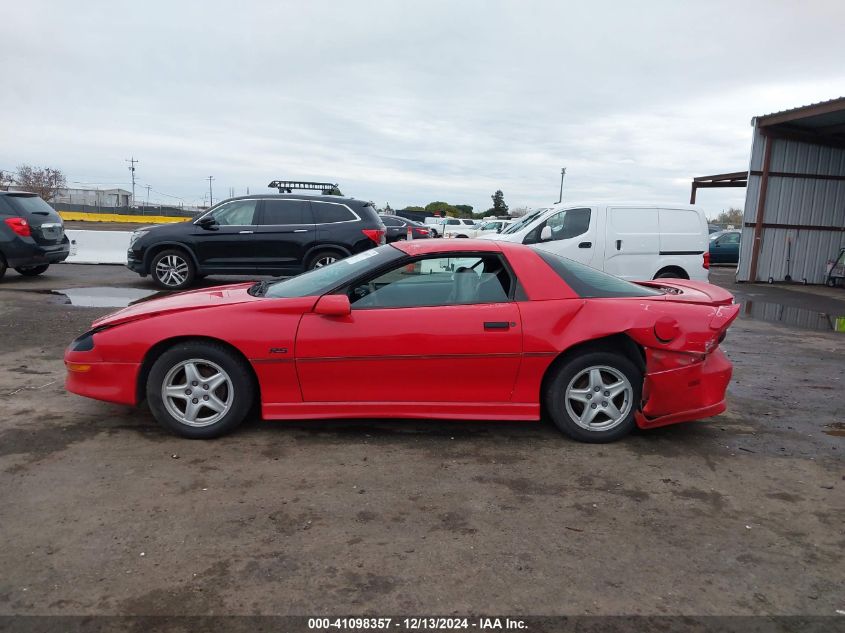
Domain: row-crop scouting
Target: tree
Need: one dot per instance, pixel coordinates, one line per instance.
(6, 180)
(442, 208)
(499, 207)
(465, 210)
(388, 210)
(731, 216)
(334, 191)
(45, 181)
(413, 209)
(518, 212)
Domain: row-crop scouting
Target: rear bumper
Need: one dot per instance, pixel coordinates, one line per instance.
(34, 254)
(111, 382)
(685, 393)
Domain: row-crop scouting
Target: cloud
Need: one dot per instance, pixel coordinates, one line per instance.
(409, 102)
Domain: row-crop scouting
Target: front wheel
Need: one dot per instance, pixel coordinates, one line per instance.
(173, 269)
(593, 397)
(200, 390)
(32, 271)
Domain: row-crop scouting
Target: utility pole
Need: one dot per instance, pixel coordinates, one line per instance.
(132, 162)
(562, 174)
(210, 195)
(148, 187)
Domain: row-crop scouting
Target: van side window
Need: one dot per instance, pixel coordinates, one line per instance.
(564, 225)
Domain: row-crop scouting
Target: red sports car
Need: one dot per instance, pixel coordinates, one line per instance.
(473, 330)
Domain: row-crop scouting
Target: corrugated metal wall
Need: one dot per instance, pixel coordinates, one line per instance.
(804, 201)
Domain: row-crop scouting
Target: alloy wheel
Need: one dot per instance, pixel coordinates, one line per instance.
(599, 398)
(325, 261)
(172, 270)
(197, 392)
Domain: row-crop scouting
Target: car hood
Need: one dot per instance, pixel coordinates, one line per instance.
(192, 300)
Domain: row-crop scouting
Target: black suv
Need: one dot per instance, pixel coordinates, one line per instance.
(279, 234)
(32, 235)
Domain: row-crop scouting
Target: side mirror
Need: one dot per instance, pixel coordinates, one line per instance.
(207, 222)
(546, 234)
(333, 305)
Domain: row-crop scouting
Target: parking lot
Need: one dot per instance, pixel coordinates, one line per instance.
(109, 514)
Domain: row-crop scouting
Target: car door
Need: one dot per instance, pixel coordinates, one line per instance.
(725, 249)
(228, 245)
(284, 233)
(395, 228)
(446, 326)
(632, 242)
(571, 233)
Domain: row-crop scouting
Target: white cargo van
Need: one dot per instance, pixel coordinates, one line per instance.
(632, 241)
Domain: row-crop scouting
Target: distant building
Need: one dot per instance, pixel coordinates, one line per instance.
(94, 197)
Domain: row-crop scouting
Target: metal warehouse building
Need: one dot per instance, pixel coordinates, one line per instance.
(794, 217)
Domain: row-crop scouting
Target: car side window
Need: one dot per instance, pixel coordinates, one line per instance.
(391, 222)
(329, 213)
(730, 238)
(436, 281)
(285, 212)
(564, 225)
(235, 213)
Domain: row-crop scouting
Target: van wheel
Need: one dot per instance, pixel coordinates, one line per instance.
(593, 397)
(323, 258)
(32, 271)
(200, 390)
(3, 266)
(173, 269)
(671, 273)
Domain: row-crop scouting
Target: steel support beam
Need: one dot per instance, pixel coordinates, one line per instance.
(761, 206)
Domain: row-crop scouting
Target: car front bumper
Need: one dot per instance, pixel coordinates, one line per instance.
(88, 375)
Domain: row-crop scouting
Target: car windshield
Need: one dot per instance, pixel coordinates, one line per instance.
(321, 280)
(590, 283)
(524, 221)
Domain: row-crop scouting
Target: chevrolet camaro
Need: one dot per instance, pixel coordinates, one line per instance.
(473, 330)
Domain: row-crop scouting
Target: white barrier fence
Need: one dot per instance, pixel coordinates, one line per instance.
(97, 247)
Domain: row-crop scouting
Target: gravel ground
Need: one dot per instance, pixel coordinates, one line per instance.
(104, 513)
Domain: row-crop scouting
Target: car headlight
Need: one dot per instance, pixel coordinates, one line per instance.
(136, 235)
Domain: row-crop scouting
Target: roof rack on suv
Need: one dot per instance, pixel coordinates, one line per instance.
(287, 186)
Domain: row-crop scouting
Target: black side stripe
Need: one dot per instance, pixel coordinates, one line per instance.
(681, 252)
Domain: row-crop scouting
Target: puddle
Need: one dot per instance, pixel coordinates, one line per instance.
(792, 316)
(837, 429)
(103, 297)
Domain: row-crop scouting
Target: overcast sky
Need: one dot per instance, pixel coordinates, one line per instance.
(409, 102)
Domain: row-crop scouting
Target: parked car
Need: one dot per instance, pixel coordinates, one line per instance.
(724, 247)
(458, 227)
(517, 330)
(262, 234)
(439, 226)
(483, 228)
(632, 241)
(32, 234)
(397, 228)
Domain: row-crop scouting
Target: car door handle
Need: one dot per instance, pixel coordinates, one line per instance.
(496, 325)
(246, 231)
(618, 245)
(300, 230)
(585, 245)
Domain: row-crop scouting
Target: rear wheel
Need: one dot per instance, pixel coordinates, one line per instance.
(3, 266)
(32, 271)
(200, 390)
(173, 269)
(593, 397)
(671, 273)
(323, 258)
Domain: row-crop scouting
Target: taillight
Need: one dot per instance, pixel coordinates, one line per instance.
(376, 235)
(422, 231)
(19, 226)
(706, 262)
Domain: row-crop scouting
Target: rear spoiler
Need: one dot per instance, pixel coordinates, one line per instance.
(717, 295)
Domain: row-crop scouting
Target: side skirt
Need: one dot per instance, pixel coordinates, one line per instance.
(523, 411)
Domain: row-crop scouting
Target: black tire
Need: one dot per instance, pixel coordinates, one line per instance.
(320, 258)
(173, 269)
(669, 274)
(32, 271)
(466, 237)
(239, 400)
(572, 371)
(3, 266)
